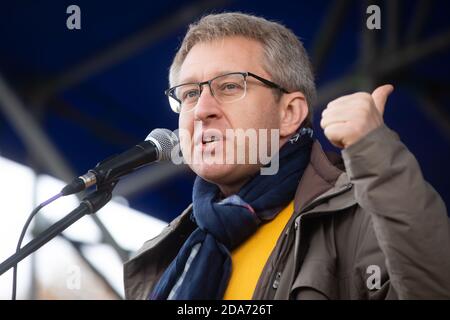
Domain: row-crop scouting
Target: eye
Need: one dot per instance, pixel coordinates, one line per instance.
(230, 86)
(190, 94)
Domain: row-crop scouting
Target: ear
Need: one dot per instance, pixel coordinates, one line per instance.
(293, 111)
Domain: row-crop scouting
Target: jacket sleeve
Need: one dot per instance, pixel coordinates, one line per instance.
(409, 217)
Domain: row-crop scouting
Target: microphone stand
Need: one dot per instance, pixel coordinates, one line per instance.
(89, 205)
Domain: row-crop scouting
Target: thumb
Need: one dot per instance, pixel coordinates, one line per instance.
(380, 95)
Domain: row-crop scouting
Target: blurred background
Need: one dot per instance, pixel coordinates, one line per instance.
(70, 98)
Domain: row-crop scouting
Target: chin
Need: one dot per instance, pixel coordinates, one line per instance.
(214, 173)
(228, 176)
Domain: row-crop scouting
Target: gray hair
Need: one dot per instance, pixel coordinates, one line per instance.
(285, 58)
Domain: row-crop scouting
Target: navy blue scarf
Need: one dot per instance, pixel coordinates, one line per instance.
(202, 268)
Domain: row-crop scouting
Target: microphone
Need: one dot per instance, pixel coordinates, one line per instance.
(156, 147)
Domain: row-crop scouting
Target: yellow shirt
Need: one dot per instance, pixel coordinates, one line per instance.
(249, 258)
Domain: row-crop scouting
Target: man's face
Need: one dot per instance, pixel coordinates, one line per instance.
(257, 110)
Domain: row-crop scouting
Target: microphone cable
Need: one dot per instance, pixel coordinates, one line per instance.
(22, 236)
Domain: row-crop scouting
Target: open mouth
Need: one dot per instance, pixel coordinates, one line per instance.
(206, 140)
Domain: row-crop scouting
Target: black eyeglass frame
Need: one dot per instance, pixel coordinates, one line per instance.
(170, 93)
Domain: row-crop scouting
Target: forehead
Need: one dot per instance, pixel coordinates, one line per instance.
(208, 59)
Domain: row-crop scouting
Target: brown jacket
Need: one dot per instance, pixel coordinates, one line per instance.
(376, 230)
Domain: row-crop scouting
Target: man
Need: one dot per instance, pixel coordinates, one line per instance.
(367, 227)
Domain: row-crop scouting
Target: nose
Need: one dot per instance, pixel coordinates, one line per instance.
(207, 106)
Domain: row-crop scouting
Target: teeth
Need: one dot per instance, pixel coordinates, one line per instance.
(210, 139)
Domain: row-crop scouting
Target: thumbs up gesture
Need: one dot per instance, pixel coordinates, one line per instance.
(349, 118)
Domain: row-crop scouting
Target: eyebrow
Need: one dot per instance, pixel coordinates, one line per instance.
(216, 74)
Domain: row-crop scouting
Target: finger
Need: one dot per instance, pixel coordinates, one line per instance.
(341, 102)
(380, 96)
(337, 117)
(351, 111)
(336, 133)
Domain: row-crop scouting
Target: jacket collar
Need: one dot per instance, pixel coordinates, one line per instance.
(324, 178)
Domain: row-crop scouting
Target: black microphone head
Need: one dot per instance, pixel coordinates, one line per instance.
(164, 140)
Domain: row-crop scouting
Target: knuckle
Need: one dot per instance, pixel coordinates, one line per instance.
(363, 95)
(330, 105)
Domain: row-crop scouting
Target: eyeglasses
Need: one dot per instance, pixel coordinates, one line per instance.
(226, 88)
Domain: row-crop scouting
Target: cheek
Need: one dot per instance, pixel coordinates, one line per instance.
(264, 108)
(262, 116)
(186, 124)
(185, 132)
